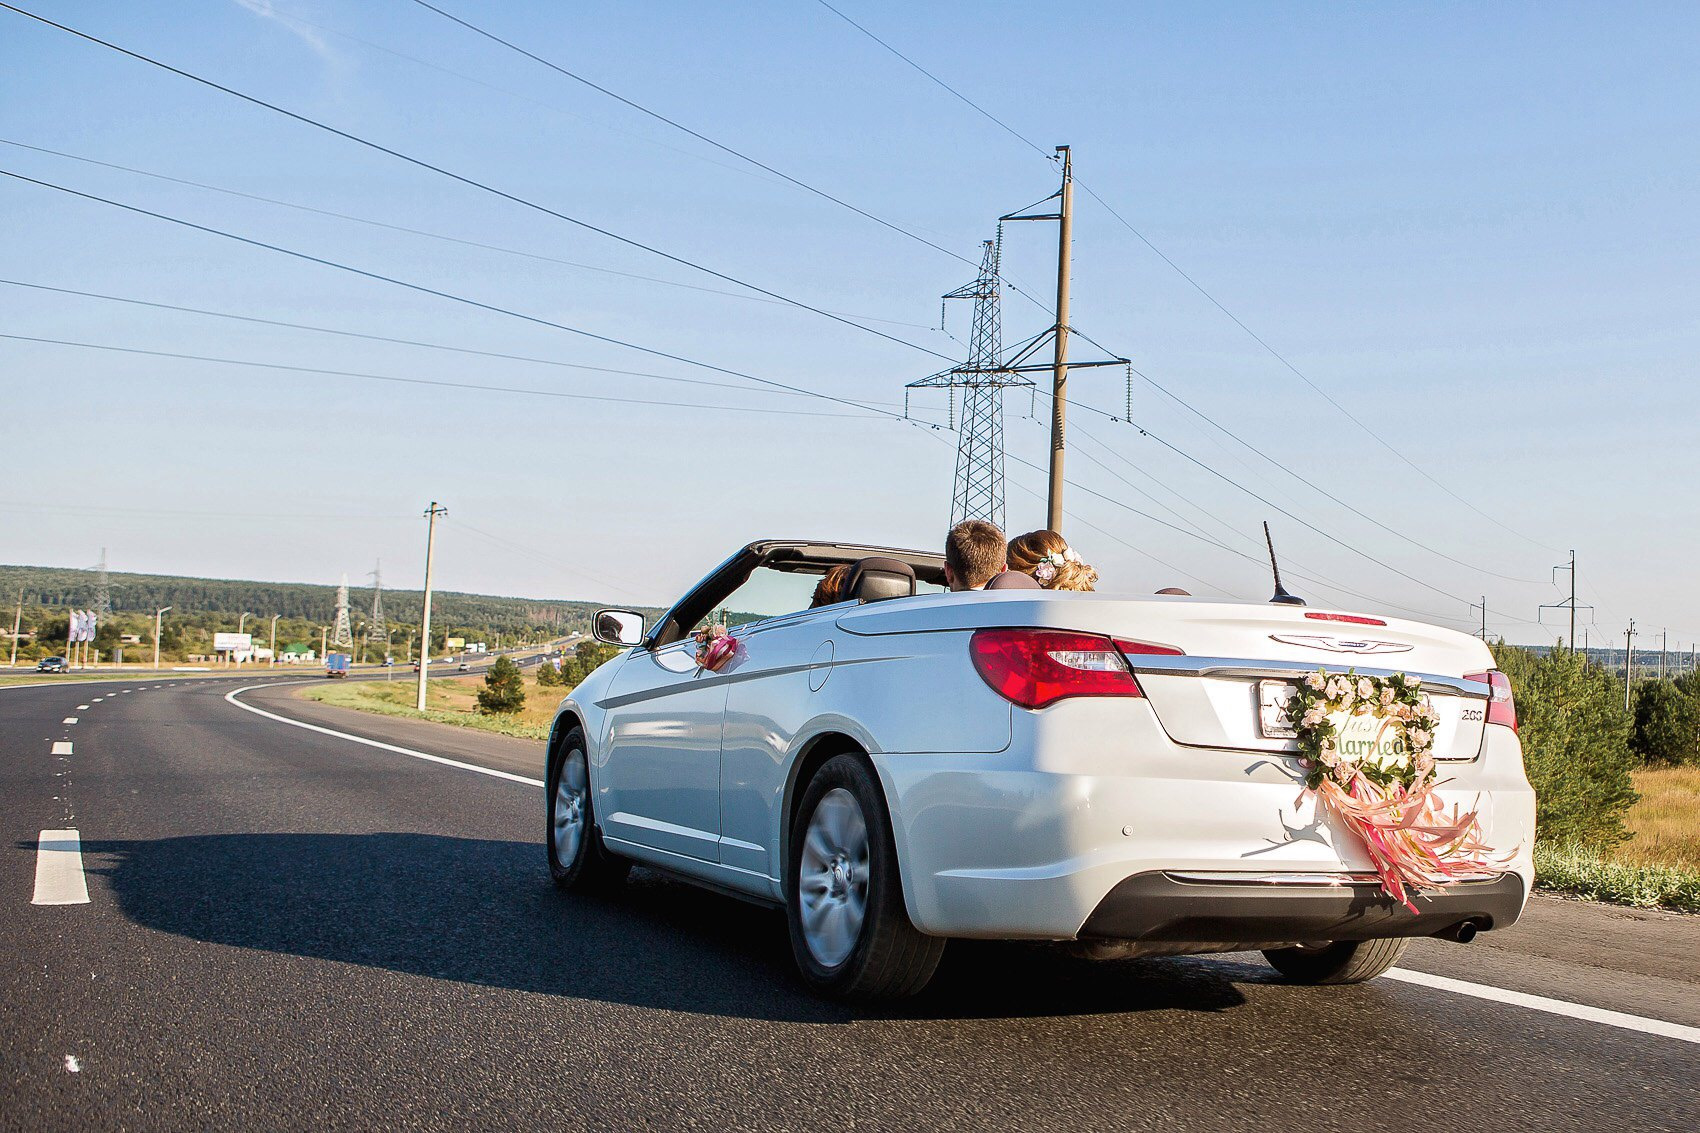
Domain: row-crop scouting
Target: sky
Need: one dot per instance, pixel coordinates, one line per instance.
(1438, 261)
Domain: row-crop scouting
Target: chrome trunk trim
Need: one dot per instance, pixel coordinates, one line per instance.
(1242, 668)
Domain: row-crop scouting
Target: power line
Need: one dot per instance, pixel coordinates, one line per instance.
(419, 287)
(1225, 431)
(739, 295)
(257, 320)
(465, 180)
(876, 415)
(970, 103)
(704, 138)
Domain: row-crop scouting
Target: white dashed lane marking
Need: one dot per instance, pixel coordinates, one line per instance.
(69, 720)
(82, 708)
(61, 747)
(59, 869)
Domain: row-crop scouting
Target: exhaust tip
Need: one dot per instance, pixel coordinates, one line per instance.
(1461, 933)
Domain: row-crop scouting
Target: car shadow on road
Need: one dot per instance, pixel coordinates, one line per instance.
(483, 912)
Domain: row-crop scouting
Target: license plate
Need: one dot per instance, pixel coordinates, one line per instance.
(1272, 697)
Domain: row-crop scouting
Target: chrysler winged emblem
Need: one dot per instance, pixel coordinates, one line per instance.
(1340, 644)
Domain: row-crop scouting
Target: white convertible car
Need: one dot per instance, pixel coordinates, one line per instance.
(1105, 770)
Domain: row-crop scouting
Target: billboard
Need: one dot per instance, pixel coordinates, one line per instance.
(232, 642)
(453, 643)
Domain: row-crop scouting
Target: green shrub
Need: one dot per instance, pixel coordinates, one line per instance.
(547, 675)
(1575, 736)
(504, 688)
(1667, 724)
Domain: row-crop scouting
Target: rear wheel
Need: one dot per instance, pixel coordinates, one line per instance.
(577, 858)
(1337, 962)
(850, 933)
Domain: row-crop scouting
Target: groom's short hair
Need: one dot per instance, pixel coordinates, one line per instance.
(975, 551)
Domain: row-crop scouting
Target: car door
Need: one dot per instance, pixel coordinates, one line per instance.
(659, 776)
(781, 664)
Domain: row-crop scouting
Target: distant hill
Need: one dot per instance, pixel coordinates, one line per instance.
(206, 603)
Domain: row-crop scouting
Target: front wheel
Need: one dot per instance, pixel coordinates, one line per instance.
(577, 858)
(1337, 962)
(850, 933)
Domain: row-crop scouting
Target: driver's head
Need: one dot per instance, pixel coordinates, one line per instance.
(974, 554)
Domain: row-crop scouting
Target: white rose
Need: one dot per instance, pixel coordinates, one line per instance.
(1366, 688)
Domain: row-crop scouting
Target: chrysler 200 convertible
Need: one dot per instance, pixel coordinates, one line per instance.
(1106, 771)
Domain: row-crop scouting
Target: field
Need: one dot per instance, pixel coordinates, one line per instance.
(1666, 821)
(448, 700)
(1660, 866)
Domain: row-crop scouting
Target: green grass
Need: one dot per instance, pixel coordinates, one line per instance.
(448, 701)
(1584, 871)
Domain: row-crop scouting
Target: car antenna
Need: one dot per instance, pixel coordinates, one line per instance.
(1281, 596)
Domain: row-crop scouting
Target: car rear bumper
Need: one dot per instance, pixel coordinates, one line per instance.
(1036, 841)
(1164, 906)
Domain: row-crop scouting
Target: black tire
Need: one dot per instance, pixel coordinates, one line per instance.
(589, 865)
(891, 958)
(1341, 962)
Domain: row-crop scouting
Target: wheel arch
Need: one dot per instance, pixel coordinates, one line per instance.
(810, 758)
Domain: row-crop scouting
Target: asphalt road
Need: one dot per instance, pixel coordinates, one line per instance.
(288, 930)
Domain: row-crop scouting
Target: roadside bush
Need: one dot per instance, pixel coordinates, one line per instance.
(547, 675)
(1667, 724)
(1575, 736)
(504, 688)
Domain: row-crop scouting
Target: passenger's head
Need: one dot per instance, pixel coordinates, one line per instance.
(830, 589)
(973, 554)
(1048, 558)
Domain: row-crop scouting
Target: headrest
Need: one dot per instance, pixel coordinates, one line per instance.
(1013, 580)
(876, 579)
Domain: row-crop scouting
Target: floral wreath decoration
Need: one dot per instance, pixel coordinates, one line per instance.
(1367, 747)
(1052, 562)
(715, 647)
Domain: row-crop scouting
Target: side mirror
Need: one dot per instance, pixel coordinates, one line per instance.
(617, 627)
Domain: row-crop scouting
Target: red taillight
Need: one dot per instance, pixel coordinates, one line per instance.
(1036, 667)
(1501, 709)
(1354, 619)
(1145, 647)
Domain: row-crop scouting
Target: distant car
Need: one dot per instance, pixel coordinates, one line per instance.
(388, 661)
(908, 766)
(416, 666)
(338, 664)
(53, 665)
(463, 666)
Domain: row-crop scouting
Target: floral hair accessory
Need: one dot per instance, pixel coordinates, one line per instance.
(1050, 564)
(715, 647)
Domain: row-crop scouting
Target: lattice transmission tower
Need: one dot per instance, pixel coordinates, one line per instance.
(341, 635)
(376, 630)
(102, 589)
(978, 489)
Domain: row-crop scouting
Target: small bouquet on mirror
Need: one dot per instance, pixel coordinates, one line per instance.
(1367, 745)
(715, 646)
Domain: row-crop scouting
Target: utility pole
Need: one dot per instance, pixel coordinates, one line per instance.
(431, 514)
(273, 664)
(1664, 646)
(158, 615)
(1482, 606)
(1059, 353)
(1059, 332)
(17, 627)
(1569, 603)
(323, 632)
(1628, 664)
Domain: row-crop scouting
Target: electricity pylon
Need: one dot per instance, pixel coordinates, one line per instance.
(102, 589)
(341, 635)
(978, 491)
(376, 630)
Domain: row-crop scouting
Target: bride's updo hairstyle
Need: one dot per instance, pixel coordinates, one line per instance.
(1049, 559)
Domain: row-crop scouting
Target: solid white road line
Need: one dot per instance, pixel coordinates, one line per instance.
(59, 869)
(61, 747)
(69, 720)
(1552, 1006)
(82, 708)
(427, 756)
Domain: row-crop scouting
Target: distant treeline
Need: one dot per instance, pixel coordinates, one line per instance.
(202, 606)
